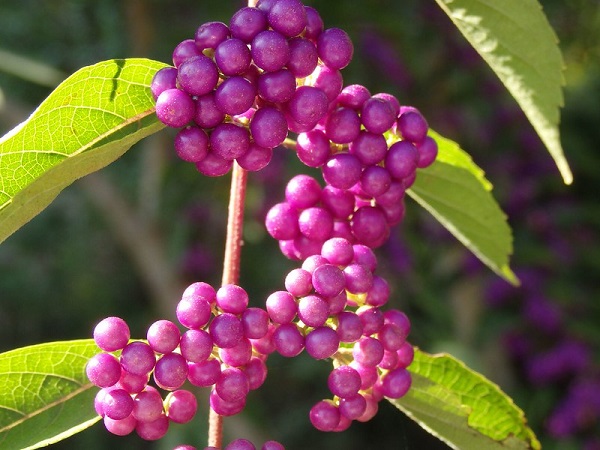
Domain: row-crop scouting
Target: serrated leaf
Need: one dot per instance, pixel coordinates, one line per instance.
(45, 395)
(462, 407)
(455, 191)
(86, 123)
(516, 40)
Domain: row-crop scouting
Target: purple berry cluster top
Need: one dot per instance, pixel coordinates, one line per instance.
(236, 92)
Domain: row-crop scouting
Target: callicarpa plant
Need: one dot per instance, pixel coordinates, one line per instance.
(271, 80)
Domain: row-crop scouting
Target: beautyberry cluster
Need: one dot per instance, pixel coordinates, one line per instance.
(237, 89)
(215, 351)
(332, 309)
(236, 92)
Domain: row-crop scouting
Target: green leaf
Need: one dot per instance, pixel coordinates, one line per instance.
(45, 395)
(517, 42)
(462, 407)
(455, 191)
(87, 122)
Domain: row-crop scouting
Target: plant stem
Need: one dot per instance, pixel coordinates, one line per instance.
(231, 269)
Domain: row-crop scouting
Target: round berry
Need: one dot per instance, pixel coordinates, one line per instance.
(335, 48)
(175, 108)
(111, 334)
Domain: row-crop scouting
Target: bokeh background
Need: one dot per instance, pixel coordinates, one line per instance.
(127, 240)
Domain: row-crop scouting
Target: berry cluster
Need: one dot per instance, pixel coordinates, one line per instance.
(237, 91)
(332, 308)
(215, 351)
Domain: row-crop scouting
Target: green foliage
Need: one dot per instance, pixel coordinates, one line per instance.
(456, 192)
(45, 395)
(462, 407)
(516, 40)
(87, 122)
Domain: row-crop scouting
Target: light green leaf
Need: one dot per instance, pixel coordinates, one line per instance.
(45, 395)
(87, 122)
(455, 191)
(462, 407)
(516, 40)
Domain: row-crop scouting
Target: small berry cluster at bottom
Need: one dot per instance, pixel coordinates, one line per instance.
(225, 345)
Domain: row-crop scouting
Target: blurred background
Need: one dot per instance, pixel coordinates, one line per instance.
(127, 240)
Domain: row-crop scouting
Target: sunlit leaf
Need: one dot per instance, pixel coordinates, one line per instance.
(455, 191)
(86, 123)
(516, 40)
(462, 407)
(45, 395)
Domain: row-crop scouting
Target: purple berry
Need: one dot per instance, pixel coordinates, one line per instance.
(396, 383)
(313, 148)
(247, 22)
(324, 416)
(175, 108)
(181, 406)
(276, 87)
(194, 308)
(401, 160)
(268, 127)
(282, 222)
(233, 57)
(147, 405)
(205, 373)
(211, 34)
(412, 125)
(165, 78)
(322, 342)
(281, 306)
(111, 334)
(328, 280)
(232, 299)
(335, 48)
(185, 50)
(256, 158)
(207, 114)
(138, 358)
(196, 345)
(226, 330)
(229, 141)
(235, 95)
(302, 191)
(303, 57)
(308, 105)
(171, 371)
(342, 126)
(377, 115)
(342, 170)
(117, 404)
(344, 381)
(232, 385)
(163, 336)
(316, 223)
(198, 75)
(270, 50)
(288, 340)
(191, 144)
(152, 431)
(288, 17)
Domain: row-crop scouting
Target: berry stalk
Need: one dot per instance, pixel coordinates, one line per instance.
(231, 269)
